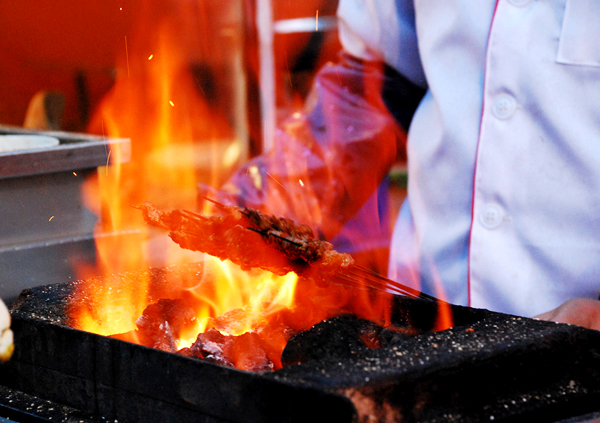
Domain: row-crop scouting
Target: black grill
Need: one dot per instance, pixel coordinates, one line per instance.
(488, 367)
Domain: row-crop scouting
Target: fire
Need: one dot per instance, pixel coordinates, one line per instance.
(145, 288)
(259, 294)
(215, 288)
(444, 319)
(215, 297)
(173, 149)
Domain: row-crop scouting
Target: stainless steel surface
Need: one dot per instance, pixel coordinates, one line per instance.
(42, 208)
(75, 152)
(46, 230)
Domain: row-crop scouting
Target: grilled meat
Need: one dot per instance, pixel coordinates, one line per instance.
(251, 239)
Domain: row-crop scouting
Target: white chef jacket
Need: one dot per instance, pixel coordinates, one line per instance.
(503, 206)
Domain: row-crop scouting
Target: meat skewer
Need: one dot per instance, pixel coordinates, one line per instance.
(251, 239)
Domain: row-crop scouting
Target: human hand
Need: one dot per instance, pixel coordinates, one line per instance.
(6, 335)
(576, 311)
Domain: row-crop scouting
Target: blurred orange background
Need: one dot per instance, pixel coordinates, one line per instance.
(72, 47)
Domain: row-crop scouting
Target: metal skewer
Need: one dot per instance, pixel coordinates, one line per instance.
(283, 238)
(360, 277)
(355, 275)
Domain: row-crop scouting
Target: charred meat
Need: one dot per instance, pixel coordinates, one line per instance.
(251, 239)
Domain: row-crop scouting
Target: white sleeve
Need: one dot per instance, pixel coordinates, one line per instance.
(382, 30)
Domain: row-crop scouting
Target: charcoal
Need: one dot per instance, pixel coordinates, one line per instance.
(175, 313)
(245, 352)
(208, 343)
(340, 337)
(160, 324)
(44, 303)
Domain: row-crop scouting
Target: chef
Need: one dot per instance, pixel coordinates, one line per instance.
(503, 206)
(501, 100)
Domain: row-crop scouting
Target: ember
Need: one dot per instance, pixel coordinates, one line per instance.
(160, 325)
(246, 351)
(249, 334)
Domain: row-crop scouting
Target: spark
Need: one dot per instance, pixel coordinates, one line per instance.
(107, 161)
(317, 21)
(127, 55)
(52, 217)
(288, 68)
(74, 173)
(105, 148)
(301, 182)
(171, 103)
(276, 181)
(151, 56)
(120, 8)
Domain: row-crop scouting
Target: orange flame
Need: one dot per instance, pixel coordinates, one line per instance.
(181, 137)
(444, 319)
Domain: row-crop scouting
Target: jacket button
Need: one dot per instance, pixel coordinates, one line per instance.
(504, 106)
(491, 216)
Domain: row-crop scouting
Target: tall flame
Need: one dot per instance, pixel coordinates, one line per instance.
(181, 136)
(179, 131)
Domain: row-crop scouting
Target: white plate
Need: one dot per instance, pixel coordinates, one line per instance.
(26, 142)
